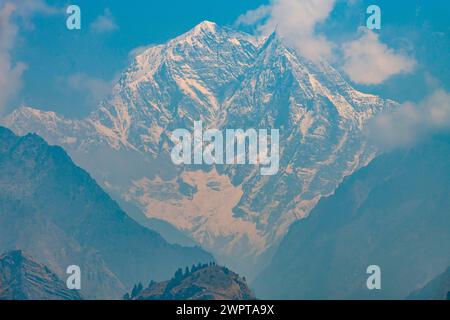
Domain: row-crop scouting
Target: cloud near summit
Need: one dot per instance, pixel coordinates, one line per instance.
(366, 60)
(411, 123)
(295, 21)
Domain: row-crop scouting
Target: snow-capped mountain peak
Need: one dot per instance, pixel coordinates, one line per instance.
(227, 79)
(206, 26)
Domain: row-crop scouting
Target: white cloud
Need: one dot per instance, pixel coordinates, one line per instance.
(95, 88)
(295, 21)
(410, 123)
(11, 71)
(365, 60)
(368, 61)
(104, 23)
(137, 51)
(252, 17)
(27, 8)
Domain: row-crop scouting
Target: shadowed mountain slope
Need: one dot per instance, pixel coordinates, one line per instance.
(394, 213)
(57, 212)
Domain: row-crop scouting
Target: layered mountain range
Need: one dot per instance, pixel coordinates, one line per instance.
(54, 210)
(394, 214)
(227, 79)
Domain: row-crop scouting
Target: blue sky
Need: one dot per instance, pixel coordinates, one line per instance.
(52, 53)
(60, 64)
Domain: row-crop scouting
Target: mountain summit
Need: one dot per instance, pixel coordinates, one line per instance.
(227, 79)
(201, 282)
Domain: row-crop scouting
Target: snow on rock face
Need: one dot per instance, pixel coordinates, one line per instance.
(227, 79)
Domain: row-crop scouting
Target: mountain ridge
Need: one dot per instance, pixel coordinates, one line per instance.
(227, 79)
(437, 289)
(21, 278)
(201, 282)
(54, 209)
(392, 213)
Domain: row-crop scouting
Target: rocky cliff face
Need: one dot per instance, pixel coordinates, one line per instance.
(226, 79)
(21, 278)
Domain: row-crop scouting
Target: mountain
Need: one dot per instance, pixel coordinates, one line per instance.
(436, 289)
(21, 278)
(57, 212)
(394, 213)
(227, 79)
(202, 282)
